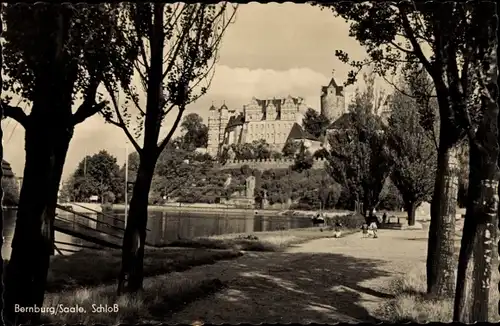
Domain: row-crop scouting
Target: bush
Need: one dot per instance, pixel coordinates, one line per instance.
(351, 221)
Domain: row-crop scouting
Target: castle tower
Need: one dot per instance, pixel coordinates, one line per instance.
(332, 100)
(213, 132)
(223, 121)
(253, 111)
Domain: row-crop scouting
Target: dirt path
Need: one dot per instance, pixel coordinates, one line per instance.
(322, 281)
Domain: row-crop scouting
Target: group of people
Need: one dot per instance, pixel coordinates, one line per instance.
(369, 228)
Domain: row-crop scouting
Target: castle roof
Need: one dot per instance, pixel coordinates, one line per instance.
(338, 89)
(212, 108)
(298, 132)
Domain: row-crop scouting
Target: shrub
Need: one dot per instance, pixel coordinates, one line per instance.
(351, 221)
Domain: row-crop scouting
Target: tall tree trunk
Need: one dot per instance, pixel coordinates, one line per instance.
(480, 231)
(131, 275)
(440, 263)
(411, 208)
(32, 245)
(49, 129)
(464, 272)
(476, 252)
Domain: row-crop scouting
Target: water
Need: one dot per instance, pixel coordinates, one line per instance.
(165, 226)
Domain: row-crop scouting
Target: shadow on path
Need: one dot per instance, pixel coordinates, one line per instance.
(288, 287)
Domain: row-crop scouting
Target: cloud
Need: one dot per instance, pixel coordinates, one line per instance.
(234, 86)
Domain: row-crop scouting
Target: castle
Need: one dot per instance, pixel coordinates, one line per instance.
(271, 120)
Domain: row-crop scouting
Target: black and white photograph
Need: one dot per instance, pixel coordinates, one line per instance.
(218, 162)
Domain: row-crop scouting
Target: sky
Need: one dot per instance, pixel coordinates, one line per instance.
(271, 50)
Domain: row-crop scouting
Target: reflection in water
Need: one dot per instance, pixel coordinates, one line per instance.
(164, 226)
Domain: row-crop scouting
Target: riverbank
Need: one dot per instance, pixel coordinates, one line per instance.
(229, 210)
(87, 278)
(271, 241)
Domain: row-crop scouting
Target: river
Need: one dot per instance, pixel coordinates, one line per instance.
(166, 226)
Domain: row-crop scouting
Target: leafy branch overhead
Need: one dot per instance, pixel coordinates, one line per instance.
(434, 35)
(89, 44)
(173, 49)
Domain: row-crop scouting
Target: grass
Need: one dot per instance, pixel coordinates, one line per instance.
(161, 296)
(411, 304)
(272, 241)
(91, 268)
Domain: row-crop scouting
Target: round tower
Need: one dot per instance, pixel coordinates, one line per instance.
(332, 100)
(213, 131)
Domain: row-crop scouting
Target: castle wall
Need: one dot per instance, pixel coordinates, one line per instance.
(268, 164)
(274, 132)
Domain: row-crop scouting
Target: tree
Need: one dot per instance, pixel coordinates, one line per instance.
(62, 50)
(96, 175)
(1, 160)
(303, 160)
(412, 154)
(195, 131)
(329, 193)
(261, 149)
(441, 37)
(321, 153)
(315, 123)
(291, 148)
(359, 158)
(178, 48)
(481, 219)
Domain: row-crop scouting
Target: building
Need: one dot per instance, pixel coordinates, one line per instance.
(271, 120)
(332, 100)
(10, 185)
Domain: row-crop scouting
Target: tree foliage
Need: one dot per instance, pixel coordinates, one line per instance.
(359, 158)
(303, 159)
(256, 150)
(412, 154)
(177, 47)
(56, 57)
(291, 148)
(98, 175)
(451, 41)
(195, 131)
(89, 49)
(315, 123)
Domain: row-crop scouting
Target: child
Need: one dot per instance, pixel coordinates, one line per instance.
(364, 229)
(337, 230)
(373, 228)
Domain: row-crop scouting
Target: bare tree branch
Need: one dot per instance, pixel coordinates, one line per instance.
(121, 123)
(165, 140)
